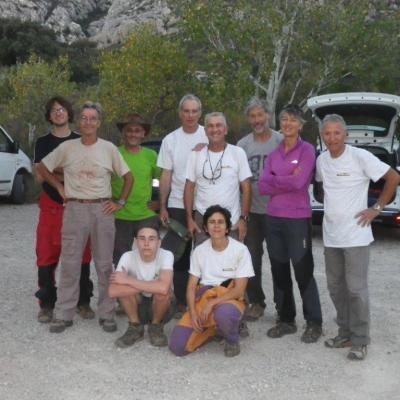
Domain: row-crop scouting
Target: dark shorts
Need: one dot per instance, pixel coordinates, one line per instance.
(146, 310)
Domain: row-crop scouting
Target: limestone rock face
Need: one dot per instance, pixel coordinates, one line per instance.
(105, 21)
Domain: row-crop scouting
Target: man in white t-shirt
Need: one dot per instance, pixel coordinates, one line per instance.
(173, 156)
(215, 175)
(143, 284)
(345, 172)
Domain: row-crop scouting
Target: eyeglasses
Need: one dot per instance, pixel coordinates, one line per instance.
(210, 173)
(88, 120)
(59, 110)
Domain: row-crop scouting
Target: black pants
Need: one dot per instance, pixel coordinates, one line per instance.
(172, 242)
(289, 239)
(47, 293)
(256, 233)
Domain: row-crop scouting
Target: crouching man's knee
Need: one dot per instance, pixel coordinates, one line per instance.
(163, 298)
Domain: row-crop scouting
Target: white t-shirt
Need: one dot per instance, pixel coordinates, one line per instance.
(173, 156)
(132, 263)
(230, 168)
(214, 267)
(87, 168)
(346, 180)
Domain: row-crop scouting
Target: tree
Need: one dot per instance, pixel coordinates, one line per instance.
(31, 84)
(20, 39)
(147, 74)
(280, 50)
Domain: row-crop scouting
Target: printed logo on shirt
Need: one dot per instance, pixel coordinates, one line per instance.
(255, 167)
(343, 174)
(228, 269)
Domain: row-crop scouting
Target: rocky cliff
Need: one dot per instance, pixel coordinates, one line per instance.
(104, 21)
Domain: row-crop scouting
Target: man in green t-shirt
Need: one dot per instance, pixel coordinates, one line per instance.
(138, 209)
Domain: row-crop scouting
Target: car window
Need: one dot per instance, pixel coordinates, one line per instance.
(4, 142)
(366, 119)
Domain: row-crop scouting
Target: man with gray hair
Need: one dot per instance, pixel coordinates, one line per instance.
(88, 164)
(215, 175)
(257, 145)
(345, 172)
(173, 156)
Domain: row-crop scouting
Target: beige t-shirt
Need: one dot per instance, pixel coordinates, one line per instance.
(87, 168)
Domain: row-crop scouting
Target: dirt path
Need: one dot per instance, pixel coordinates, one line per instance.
(83, 363)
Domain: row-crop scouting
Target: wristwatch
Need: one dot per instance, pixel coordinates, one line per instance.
(245, 218)
(121, 202)
(377, 207)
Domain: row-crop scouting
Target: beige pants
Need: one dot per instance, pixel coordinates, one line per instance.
(81, 221)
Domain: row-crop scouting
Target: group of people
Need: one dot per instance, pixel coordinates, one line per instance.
(96, 200)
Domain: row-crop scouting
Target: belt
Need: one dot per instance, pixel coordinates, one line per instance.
(87, 201)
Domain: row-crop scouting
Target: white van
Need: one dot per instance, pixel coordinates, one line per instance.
(371, 120)
(15, 169)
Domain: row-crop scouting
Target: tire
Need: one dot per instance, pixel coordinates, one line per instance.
(18, 190)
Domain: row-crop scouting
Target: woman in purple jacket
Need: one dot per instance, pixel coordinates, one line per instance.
(286, 178)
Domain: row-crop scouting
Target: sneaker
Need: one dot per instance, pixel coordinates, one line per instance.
(108, 325)
(312, 333)
(357, 353)
(59, 325)
(255, 312)
(282, 329)
(45, 315)
(85, 311)
(243, 329)
(133, 334)
(338, 342)
(157, 335)
(231, 350)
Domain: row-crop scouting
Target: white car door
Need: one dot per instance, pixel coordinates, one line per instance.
(8, 162)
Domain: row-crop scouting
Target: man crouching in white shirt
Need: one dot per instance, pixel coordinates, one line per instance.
(143, 284)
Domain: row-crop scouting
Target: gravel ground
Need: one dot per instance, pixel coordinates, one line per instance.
(83, 363)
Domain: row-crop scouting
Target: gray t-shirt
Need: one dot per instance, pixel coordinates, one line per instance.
(257, 153)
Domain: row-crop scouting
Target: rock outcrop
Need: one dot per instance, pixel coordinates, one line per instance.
(105, 21)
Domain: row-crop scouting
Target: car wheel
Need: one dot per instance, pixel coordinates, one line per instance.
(18, 190)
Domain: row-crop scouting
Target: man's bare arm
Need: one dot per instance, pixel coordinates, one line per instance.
(51, 178)
(165, 188)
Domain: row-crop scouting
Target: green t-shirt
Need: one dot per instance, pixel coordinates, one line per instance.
(144, 169)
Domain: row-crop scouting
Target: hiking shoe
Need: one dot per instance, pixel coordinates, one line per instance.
(357, 353)
(231, 350)
(254, 312)
(59, 325)
(45, 315)
(282, 329)
(108, 325)
(133, 334)
(157, 335)
(85, 311)
(312, 333)
(338, 342)
(243, 329)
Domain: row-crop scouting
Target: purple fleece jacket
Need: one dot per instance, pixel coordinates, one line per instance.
(286, 179)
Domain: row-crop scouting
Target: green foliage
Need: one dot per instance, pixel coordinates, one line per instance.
(31, 84)
(288, 50)
(147, 74)
(20, 39)
(83, 59)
